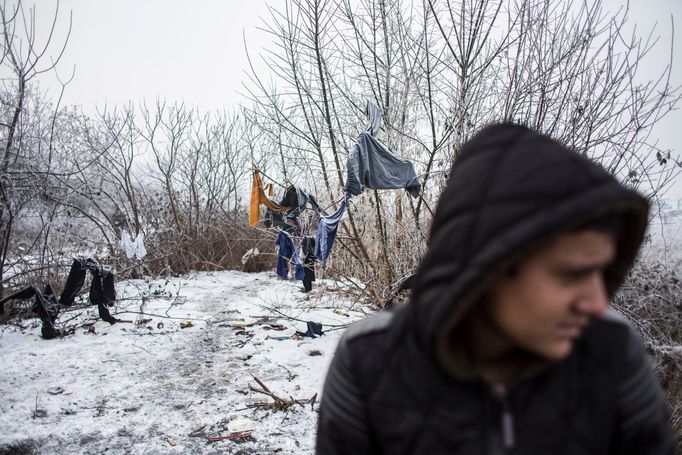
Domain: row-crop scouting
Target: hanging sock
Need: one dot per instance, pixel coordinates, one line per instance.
(326, 232)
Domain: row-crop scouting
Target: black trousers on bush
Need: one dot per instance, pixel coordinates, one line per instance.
(45, 305)
(102, 292)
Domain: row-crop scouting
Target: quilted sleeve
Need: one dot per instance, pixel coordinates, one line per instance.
(343, 424)
(643, 425)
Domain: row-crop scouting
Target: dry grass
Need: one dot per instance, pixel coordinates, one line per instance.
(220, 246)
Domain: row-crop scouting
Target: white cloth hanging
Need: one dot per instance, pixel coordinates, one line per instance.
(133, 248)
(253, 252)
(127, 244)
(140, 250)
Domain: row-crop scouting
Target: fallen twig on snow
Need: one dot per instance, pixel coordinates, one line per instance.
(198, 432)
(240, 435)
(280, 404)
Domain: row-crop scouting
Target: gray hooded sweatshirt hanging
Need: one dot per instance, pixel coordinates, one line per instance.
(372, 165)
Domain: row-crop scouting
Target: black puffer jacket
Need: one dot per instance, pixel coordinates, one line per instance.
(391, 388)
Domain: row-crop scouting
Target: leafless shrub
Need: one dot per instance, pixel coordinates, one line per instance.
(219, 246)
(440, 70)
(651, 300)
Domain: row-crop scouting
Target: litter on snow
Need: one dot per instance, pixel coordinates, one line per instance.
(246, 370)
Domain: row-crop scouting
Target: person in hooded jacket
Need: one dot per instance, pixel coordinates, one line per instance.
(507, 345)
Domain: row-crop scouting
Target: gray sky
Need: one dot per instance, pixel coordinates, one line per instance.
(647, 14)
(130, 50)
(135, 49)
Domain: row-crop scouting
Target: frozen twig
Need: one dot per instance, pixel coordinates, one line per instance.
(280, 404)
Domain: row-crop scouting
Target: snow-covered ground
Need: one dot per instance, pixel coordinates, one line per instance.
(149, 386)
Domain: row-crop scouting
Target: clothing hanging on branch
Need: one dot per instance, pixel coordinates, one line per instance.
(326, 232)
(298, 198)
(288, 254)
(371, 165)
(133, 248)
(45, 305)
(102, 292)
(259, 197)
(309, 258)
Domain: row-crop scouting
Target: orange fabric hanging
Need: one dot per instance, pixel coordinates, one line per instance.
(258, 197)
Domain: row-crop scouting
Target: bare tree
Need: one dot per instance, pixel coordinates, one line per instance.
(25, 59)
(166, 130)
(440, 70)
(312, 126)
(565, 68)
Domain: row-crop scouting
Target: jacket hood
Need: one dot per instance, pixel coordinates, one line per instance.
(511, 190)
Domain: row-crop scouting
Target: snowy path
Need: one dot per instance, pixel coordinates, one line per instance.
(152, 388)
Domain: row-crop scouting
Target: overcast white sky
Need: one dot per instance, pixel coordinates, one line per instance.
(129, 50)
(143, 49)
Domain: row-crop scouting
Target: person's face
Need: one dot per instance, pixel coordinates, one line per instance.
(552, 296)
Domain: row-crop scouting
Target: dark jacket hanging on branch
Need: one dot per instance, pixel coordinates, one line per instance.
(298, 198)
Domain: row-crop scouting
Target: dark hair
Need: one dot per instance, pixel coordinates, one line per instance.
(607, 223)
(610, 223)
